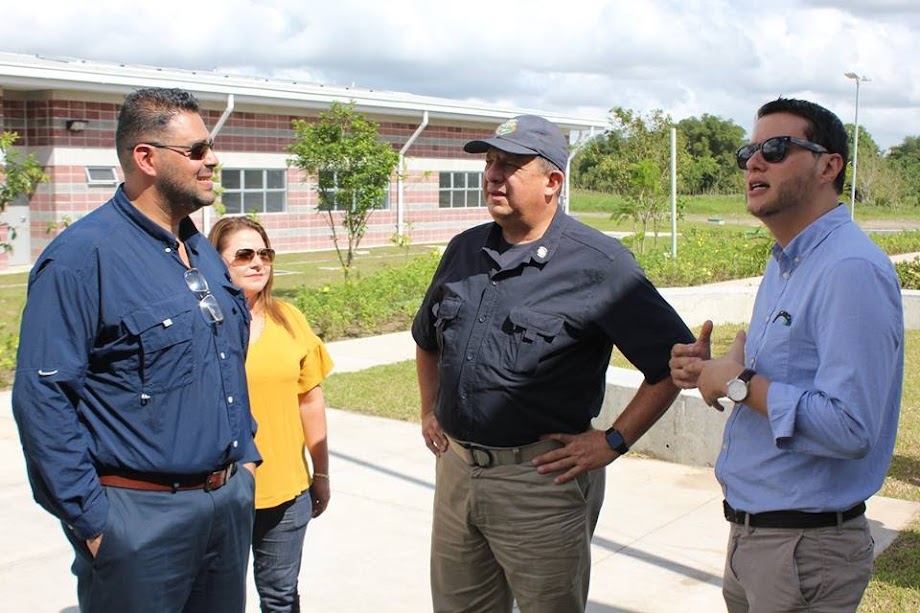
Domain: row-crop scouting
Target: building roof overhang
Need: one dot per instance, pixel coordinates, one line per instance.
(33, 72)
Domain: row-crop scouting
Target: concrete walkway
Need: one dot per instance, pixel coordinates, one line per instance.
(658, 547)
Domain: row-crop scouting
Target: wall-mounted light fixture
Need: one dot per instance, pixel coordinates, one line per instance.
(76, 125)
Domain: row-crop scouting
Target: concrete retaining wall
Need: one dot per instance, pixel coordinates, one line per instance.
(691, 432)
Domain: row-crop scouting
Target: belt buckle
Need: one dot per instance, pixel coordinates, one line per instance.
(473, 449)
(220, 476)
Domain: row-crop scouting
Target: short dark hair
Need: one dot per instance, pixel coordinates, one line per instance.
(824, 128)
(145, 113)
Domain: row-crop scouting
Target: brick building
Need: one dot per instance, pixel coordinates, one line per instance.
(65, 110)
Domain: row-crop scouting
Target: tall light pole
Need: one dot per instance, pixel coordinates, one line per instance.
(858, 79)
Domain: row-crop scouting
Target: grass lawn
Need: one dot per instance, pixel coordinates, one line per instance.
(895, 585)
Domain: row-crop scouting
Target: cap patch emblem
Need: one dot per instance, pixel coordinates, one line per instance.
(506, 128)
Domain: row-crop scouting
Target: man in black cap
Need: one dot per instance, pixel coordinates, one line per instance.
(514, 339)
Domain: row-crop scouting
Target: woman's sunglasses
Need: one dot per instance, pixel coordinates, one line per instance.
(774, 150)
(244, 256)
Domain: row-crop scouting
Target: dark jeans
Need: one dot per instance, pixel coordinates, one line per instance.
(277, 547)
(165, 552)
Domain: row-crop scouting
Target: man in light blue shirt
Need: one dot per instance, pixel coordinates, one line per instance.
(816, 381)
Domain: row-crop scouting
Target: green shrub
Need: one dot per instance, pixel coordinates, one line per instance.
(898, 242)
(709, 256)
(909, 273)
(383, 302)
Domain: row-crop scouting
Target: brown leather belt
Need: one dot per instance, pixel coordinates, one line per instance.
(153, 482)
(484, 457)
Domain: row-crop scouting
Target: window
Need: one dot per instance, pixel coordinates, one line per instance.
(460, 190)
(340, 206)
(101, 175)
(253, 190)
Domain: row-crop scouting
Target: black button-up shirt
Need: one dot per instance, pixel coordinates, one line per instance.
(524, 333)
(118, 367)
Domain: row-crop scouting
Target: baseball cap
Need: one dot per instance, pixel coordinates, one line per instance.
(526, 135)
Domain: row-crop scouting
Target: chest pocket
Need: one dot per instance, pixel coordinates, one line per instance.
(531, 338)
(446, 322)
(164, 331)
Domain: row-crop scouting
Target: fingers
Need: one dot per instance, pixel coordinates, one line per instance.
(435, 439)
(736, 352)
(705, 333)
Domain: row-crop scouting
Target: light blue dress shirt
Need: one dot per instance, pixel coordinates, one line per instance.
(828, 333)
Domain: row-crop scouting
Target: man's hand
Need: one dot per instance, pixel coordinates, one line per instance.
(581, 452)
(714, 375)
(434, 437)
(251, 467)
(686, 358)
(93, 544)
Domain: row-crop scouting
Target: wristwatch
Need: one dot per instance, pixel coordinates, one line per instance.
(738, 387)
(615, 441)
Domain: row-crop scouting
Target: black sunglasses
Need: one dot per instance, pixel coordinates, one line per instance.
(774, 149)
(196, 152)
(266, 254)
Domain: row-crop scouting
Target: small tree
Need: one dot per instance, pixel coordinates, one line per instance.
(352, 167)
(636, 166)
(19, 176)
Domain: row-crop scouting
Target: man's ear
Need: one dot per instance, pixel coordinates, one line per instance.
(143, 157)
(554, 181)
(833, 164)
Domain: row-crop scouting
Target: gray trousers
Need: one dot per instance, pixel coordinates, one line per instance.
(815, 570)
(507, 533)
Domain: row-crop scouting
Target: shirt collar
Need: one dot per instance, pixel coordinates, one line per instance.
(808, 239)
(541, 250)
(188, 232)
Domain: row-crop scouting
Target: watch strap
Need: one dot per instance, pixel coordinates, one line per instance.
(616, 441)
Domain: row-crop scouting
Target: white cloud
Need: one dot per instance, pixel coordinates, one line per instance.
(686, 57)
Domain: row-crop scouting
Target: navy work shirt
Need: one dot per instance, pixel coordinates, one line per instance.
(524, 332)
(118, 368)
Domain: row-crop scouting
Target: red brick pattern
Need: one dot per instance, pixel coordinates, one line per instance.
(67, 197)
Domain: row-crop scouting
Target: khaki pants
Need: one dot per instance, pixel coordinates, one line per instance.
(815, 570)
(507, 533)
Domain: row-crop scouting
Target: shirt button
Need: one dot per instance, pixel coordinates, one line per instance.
(463, 395)
(223, 356)
(469, 356)
(236, 444)
(168, 250)
(229, 399)
(482, 319)
(786, 275)
(494, 282)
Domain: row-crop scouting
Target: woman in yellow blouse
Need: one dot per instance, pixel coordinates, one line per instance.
(284, 368)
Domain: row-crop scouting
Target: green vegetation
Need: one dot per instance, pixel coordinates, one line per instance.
(353, 168)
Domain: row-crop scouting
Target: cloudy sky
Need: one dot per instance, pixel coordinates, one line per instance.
(581, 57)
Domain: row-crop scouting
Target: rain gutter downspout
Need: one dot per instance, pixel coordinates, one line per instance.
(400, 187)
(206, 221)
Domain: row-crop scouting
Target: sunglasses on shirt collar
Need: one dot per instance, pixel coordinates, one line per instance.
(774, 150)
(244, 256)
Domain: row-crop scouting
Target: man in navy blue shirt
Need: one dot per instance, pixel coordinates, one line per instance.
(514, 340)
(130, 391)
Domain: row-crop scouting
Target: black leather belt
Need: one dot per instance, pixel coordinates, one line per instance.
(791, 519)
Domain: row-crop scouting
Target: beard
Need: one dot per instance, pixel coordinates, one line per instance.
(788, 195)
(181, 198)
